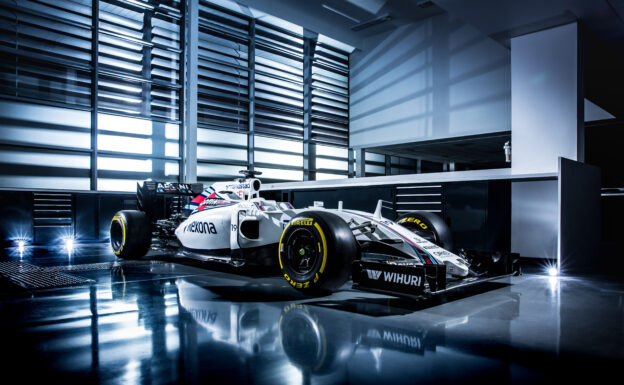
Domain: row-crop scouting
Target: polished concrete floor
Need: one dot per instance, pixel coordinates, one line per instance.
(170, 321)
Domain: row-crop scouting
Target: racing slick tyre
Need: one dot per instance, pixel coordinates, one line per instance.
(429, 226)
(130, 234)
(316, 251)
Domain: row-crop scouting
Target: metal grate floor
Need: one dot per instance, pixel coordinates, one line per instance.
(14, 267)
(31, 276)
(41, 279)
(102, 265)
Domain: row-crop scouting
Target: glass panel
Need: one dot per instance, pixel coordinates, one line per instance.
(278, 159)
(124, 164)
(124, 124)
(372, 157)
(43, 125)
(221, 137)
(172, 149)
(370, 168)
(331, 151)
(322, 163)
(217, 172)
(105, 184)
(326, 176)
(172, 169)
(44, 159)
(269, 143)
(44, 182)
(220, 154)
(275, 174)
(125, 144)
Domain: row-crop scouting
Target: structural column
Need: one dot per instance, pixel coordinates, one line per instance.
(95, 74)
(188, 139)
(360, 162)
(546, 99)
(546, 124)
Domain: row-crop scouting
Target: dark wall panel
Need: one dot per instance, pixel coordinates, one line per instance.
(16, 213)
(109, 204)
(579, 232)
(86, 215)
(362, 198)
(465, 211)
(478, 213)
(498, 216)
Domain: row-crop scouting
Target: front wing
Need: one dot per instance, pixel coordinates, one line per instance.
(406, 277)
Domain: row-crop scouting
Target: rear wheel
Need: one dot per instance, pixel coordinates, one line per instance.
(130, 234)
(316, 251)
(429, 226)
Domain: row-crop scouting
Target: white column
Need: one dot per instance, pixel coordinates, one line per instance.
(546, 99)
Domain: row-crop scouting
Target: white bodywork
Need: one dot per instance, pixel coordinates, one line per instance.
(216, 226)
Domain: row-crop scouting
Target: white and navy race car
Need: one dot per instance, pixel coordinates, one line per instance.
(317, 249)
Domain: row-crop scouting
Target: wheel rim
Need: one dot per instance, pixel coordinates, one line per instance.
(116, 235)
(302, 253)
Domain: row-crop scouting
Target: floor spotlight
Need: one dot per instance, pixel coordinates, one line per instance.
(69, 244)
(20, 246)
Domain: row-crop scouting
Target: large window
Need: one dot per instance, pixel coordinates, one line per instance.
(86, 83)
(138, 89)
(92, 94)
(254, 109)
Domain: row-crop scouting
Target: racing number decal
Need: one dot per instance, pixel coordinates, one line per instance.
(123, 229)
(321, 245)
(416, 221)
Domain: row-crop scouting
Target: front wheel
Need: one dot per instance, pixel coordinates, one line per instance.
(316, 251)
(130, 234)
(429, 226)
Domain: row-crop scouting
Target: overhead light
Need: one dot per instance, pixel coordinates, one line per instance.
(369, 23)
(553, 272)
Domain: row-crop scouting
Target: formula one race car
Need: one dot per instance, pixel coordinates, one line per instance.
(316, 248)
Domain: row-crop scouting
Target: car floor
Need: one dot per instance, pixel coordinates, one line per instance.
(166, 320)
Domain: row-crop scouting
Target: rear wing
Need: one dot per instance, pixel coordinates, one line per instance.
(159, 200)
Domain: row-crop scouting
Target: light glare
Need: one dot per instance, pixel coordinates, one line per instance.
(553, 272)
(69, 244)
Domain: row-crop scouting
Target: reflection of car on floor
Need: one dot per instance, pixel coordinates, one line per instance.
(337, 341)
(316, 248)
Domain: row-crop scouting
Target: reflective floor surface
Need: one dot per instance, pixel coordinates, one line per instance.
(178, 322)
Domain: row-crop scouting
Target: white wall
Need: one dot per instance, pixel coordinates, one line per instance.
(433, 79)
(544, 99)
